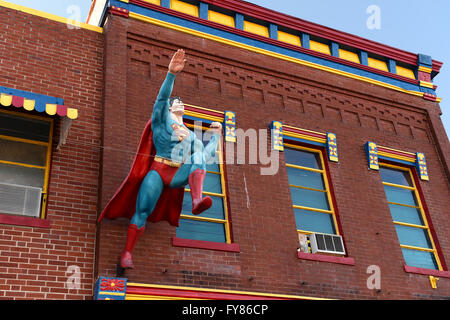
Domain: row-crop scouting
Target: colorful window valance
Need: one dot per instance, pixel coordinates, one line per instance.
(33, 101)
(281, 132)
(375, 152)
(228, 118)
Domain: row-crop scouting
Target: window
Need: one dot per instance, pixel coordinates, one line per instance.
(213, 224)
(377, 62)
(310, 192)
(405, 70)
(320, 45)
(409, 218)
(25, 149)
(186, 6)
(256, 26)
(220, 15)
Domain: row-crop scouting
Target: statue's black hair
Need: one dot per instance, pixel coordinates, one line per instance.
(172, 99)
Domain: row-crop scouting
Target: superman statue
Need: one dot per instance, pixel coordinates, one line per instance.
(169, 157)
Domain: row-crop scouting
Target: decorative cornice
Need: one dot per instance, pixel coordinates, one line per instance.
(176, 20)
(320, 31)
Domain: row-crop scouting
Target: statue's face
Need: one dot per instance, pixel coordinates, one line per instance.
(177, 106)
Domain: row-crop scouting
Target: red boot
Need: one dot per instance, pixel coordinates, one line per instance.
(199, 204)
(126, 259)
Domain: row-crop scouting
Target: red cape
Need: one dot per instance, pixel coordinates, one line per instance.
(123, 203)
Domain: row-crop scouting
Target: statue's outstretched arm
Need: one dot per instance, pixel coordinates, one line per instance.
(161, 107)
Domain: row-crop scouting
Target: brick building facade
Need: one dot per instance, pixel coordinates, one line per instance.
(265, 67)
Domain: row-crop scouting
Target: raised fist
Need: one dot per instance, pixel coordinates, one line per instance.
(178, 61)
(216, 127)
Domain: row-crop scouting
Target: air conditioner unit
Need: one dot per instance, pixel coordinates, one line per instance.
(20, 200)
(326, 243)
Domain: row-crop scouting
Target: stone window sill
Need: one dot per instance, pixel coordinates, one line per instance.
(325, 258)
(427, 272)
(24, 221)
(208, 245)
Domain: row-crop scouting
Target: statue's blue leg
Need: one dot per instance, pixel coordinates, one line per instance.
(193, 173)
(149, 193)
(181, 178)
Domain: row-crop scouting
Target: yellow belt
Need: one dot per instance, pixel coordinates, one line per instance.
(168, 162)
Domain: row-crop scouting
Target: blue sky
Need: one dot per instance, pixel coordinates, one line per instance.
(413, 25)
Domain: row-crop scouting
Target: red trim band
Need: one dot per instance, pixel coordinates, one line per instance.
(324, 258)
(193, 294)
(119, 11)
(24, 221)
(399, 153)
(429, 97)
(205, 112)
(209, 245)
(305, 133)
(427, 272)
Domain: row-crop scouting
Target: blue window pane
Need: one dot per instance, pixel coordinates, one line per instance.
(213, 165)
(413, 236)
(305, 178)
(395, 176)
(216, 211)
(201, 230)
(314, 221)
(26, 128)
(406, 214)
(303, 158)
(399, 195)
(420, 259)
(309, 198)
(212, 183)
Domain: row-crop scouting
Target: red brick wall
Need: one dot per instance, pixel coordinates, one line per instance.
(261, 89)
(46, 57)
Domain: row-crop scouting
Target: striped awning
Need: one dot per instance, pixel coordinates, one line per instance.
(33, 101)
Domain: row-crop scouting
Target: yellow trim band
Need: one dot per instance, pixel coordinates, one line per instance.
(50, 16)
(425, 69)
(304, 137)
(208, 193)
(199, 218)
(132, 284)
(398, 185)
(307, 188)
(201, 108)
(394, 156)
(410, 225)
(202, 116)
(403, 205)
(406, 152)
(22, 164)
(10, 138)
(111, 293)
(404, 246)
(302, 168)
(426, 84)
(312, 209)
